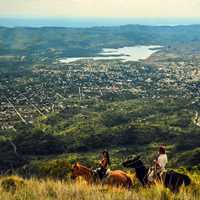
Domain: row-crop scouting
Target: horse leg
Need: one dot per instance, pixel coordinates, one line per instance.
(176, 187)
(129, 182)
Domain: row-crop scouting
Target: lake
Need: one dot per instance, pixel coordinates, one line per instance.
(124, 54)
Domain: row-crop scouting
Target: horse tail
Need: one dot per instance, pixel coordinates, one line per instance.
(186, 180)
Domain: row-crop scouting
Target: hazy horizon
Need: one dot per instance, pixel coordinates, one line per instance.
(33, 21)
(89, 13)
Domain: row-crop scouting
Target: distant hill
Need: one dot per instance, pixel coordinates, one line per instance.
(88, 41)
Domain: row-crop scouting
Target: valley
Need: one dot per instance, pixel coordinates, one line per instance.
(55, 111)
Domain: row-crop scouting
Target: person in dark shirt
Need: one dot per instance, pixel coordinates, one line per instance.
(103, 164)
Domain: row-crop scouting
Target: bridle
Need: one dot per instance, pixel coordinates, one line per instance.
(139, 167)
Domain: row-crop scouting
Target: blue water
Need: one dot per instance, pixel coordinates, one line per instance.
(91, 22)
(124, 54)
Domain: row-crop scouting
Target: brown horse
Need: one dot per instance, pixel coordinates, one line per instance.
(114, 178)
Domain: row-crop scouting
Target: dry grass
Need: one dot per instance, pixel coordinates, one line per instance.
(34, 189)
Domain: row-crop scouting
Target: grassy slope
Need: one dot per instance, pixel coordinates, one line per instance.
(34, 189)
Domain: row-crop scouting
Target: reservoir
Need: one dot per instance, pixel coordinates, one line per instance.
(124, 54)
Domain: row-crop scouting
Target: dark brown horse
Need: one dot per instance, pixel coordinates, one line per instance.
(114, 178)
(173, 180)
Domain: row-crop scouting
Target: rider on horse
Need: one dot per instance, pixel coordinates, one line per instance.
(158, 169)
(104, 162)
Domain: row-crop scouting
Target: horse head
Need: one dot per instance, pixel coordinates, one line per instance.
(133, 162)
(75, 171)
(81, 170)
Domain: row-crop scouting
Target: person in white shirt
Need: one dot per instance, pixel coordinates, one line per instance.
(159, 165)
(162, 159)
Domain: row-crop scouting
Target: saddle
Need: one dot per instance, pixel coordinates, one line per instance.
(156, 175)
(101, 173)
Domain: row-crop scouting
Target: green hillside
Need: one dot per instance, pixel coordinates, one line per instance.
(122, 127)
(54, 42)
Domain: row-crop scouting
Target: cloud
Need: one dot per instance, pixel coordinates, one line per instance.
(101, 8)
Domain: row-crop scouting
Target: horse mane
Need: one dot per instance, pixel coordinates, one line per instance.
(141, 172)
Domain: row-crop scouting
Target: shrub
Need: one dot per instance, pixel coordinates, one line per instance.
(57, 169)
(11, 184)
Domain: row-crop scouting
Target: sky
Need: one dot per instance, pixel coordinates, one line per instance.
(101, 8)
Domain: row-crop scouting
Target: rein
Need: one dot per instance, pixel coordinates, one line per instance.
(86, 172)
(140, 166)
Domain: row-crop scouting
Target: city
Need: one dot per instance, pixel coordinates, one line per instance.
(46, 88)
